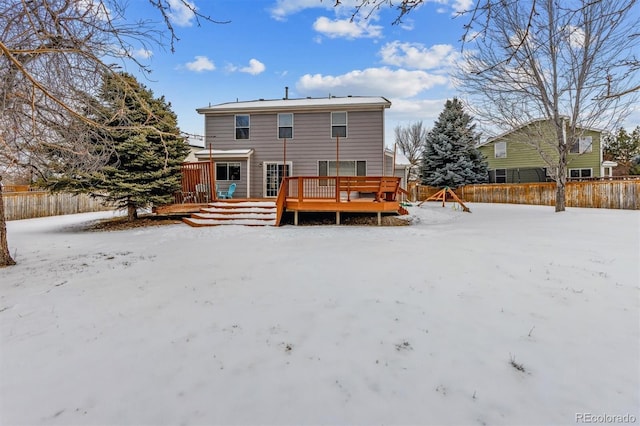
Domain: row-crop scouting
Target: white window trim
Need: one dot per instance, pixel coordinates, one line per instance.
(495, 175)
(355, 165)
(582, 149)
(279, 126)
(235, 126)
(495, 149)
(227, 163)
(581, 177)
(346, 124)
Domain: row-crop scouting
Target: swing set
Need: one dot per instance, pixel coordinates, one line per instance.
(442, 195)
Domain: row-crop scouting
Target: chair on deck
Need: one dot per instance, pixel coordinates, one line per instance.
(229, 193)
(202, 193)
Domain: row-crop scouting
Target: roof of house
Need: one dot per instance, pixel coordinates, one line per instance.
(332, 102)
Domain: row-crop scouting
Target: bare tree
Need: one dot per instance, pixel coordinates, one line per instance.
(480, 16)
(411, 140)
(53, 54)
(569, 63)
(548, 74)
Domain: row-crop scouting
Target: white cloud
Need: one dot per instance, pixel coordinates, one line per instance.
(284, 8)
(462, 5)
(347, 28)
(142, 53)
(576, 37)
(416, 55)
(202, 63)
(378, 81)
(406, 111)
(255, 67)
(98, 9)
(407, 24)
(180, 14)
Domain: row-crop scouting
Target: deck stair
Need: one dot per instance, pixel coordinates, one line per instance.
(235, 212)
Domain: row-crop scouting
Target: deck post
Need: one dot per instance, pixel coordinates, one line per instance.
(295, 217)
(379, 218)
(337, 218)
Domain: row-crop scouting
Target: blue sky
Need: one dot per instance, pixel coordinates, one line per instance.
(312, 47)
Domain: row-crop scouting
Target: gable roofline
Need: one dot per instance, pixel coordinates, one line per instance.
(299, 104)
(539, 120)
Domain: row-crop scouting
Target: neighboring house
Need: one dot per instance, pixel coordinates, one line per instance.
(513, 158)
(194, 146)
(401, 168)
(248, 140)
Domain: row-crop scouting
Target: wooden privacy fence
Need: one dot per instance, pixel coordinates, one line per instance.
(27, 205)
(610, 194)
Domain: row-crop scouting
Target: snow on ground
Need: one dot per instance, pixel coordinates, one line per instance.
(510, 315)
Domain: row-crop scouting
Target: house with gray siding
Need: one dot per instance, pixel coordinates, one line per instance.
(255, 143)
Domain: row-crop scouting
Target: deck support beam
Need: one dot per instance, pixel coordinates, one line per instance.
(295, 218)
(379, 219)
(337, 218)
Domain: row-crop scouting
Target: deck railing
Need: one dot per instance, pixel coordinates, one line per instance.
(281, 200)
(196, 184)
(341, 188)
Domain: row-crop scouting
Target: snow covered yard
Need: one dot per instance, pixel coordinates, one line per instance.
(511, 315)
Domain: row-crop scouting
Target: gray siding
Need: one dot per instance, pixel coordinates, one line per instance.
(311, 142)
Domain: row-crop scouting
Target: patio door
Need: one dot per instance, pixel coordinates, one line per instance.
(273, 174)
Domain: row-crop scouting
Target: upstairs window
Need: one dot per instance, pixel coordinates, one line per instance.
(242, 127)
(583, 145)
(339, 124)
(285, 126)
(500, 150)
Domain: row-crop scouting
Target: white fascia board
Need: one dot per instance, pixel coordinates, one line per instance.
(225, 153)
(307, 104)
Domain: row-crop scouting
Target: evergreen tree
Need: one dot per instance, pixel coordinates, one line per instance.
(624, 147)
(144, 166)
(450, 157)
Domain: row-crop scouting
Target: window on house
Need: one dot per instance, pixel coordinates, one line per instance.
(500, 149)
(579, 173)
(242, 127)
(339, 124)
(285, 126)
(227, 171)
(583, 145)
(501, 175)
(346, 168)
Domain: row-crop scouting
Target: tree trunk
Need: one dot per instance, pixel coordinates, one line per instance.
(560, 194)
(561, 182)
(5, 255)
(561, 174)
(132, 212)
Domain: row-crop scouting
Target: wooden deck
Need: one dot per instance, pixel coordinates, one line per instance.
(338, 194)
(352, 194)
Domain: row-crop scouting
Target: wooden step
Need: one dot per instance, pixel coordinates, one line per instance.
(232, 212)
(217, 222)
(234, 215)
